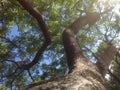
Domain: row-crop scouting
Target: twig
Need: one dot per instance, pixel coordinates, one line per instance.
(8, 40)
(92, 53)
(16, 76)
(13, 72)
(30, 75)
(11, 61)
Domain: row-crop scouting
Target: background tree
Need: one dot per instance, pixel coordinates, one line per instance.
(23, 41)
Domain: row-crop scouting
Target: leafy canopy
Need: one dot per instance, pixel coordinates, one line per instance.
(21, 37)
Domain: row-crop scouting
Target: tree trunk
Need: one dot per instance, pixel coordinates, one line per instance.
(105, 59)
(83, 75)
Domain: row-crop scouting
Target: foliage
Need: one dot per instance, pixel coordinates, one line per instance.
(114, 81)
(3, 88)
(21, 37)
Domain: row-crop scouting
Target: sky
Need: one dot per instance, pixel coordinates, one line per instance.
(13, 32)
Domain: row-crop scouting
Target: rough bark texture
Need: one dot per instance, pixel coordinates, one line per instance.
(86, 78)
(83, 75)
(72, 49)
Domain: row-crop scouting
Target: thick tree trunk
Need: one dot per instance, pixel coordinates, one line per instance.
(83, 75)
(87, 79)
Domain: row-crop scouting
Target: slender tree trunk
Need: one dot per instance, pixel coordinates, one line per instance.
(105, 59)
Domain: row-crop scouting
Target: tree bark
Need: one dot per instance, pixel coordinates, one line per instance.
(105, 59)
(83, 75)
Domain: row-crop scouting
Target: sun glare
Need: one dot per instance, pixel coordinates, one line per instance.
(117, 9)
(115, 3)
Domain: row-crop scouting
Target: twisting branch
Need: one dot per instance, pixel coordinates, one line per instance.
(87, 19)
(37, 15)
(36, 58)
(72, 48)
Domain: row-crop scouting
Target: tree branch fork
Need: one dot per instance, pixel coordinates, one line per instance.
(71, 45)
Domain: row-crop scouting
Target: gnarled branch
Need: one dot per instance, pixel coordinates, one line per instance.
(37, 15)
